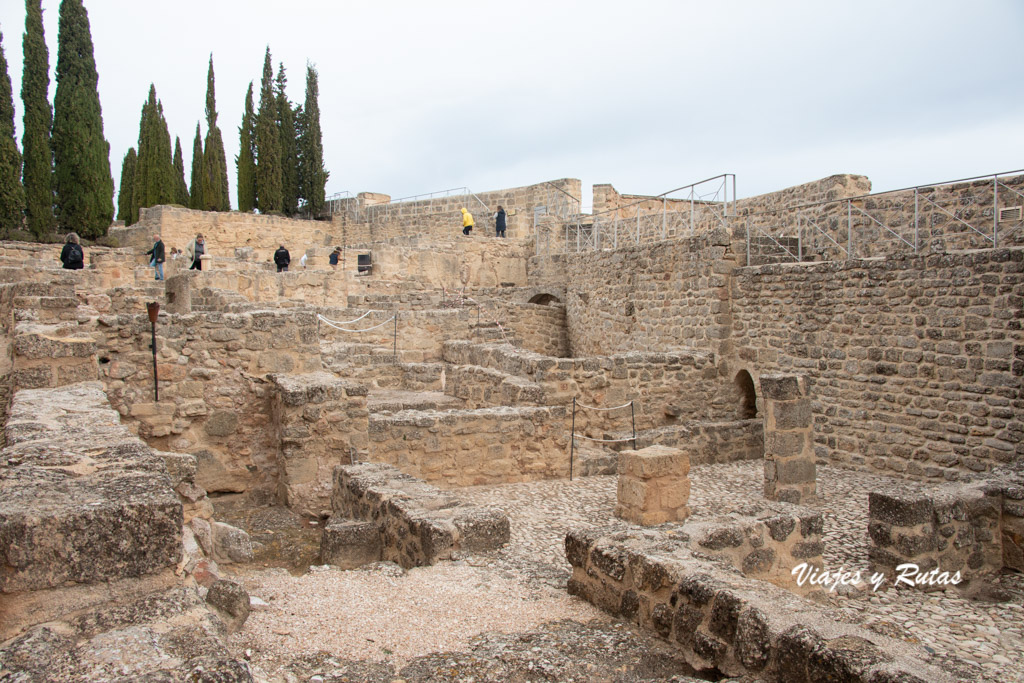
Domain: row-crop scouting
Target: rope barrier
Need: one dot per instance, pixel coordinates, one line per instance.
(347, 322)
(624, 405)
(345, 329)
(590, 438)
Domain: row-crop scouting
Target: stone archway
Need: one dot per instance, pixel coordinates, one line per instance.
(747, 394)
(544, 299)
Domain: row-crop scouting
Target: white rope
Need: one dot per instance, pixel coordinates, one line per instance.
(624, 405)
(347, 322)
(589, 438)
(345, 329)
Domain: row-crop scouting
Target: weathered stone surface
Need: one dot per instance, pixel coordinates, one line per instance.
(231, 602)
(230, 544)
(349, 544)
(418, 524)
(81, 499)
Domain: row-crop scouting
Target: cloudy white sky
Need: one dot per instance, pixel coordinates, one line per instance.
(423, 96)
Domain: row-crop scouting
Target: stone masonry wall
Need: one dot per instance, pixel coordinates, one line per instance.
(915, 364)
(473, 447)
(728, 624)
(214, 392)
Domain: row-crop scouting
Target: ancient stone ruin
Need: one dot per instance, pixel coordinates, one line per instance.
(716, 406)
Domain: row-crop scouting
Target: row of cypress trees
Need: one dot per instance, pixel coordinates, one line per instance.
(61, 177)
(281, 160)
(64, 178)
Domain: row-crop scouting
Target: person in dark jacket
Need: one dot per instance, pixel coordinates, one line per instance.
(282, 258)
(333, 258)
(157, 252)
(72, 256)
(499, 222)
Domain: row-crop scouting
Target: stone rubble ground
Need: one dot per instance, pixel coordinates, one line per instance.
(466, 605)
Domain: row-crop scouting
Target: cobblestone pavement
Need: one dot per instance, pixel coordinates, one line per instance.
(976, 639)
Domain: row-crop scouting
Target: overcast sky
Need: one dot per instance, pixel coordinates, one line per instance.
(423, 96)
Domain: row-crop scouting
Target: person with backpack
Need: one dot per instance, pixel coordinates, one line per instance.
(72, 256)
(157, 252)
(281, 259)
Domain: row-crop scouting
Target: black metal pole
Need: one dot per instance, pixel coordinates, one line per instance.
(156, 382)
(572, 437)
(632, 416)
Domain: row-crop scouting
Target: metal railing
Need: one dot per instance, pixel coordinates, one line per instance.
(703, 205)
(968, 213)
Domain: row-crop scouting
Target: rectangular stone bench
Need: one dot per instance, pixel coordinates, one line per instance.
(417, 523)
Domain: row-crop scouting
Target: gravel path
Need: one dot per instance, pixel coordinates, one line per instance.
(390, 616)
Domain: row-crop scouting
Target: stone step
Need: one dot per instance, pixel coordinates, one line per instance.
(397, 401)
(82, 500)
(481, 387)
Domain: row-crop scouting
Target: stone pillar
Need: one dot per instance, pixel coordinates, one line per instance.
(654, 485)
(179, 293)
(789, 469)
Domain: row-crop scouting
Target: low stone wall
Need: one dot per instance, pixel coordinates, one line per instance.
(81, 499)
(471, 447)
(724, 623)
(418, 525)
(47, 356)
(484, 388)
(711, 442)
(321, 423)
(973, 529)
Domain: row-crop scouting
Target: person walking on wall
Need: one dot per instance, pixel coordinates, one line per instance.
(302, 261)
(195, 251)
(467, 221)
(499, 222)
(282, 258)
(333, 258)
(72, 256)
(157, 252)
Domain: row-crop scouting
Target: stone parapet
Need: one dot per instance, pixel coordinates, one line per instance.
(81, 499)
(724, 623)
(418, 524)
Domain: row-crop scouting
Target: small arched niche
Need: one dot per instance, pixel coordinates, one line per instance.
(544, 299)
(747, 395)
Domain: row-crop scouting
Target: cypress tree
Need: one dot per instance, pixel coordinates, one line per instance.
(312, 175)
(216, 196)
(37, 172)
(268, 145)
(127, 208)
(154, 175)
(81, 155)
(195, 195)
(289, 151)
(181, 189)
(245, 162)
(12, 195)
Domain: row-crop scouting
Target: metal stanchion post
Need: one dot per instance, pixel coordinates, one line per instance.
(572, 437)
(632, 415)
(153, 309)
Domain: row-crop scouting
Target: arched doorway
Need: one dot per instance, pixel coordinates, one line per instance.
(747, 395)
(544, 299)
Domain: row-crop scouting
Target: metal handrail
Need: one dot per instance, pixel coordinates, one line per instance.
(664, 195)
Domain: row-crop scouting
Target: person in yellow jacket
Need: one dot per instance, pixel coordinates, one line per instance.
(467, 221)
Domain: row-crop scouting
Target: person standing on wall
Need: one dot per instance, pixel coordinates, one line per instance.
(195, 251)
(282, 258)
(467, 221)
(499, 222)
(333, 258)
(72, 256)
(157, 252)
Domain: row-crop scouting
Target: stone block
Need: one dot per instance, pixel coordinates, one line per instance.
(787, 415)
(654, 462)
(349, 544)
(231, 603)
(230, 544)
(780, 387)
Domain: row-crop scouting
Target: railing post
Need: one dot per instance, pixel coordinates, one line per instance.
(916, 242)
(632, 415)
(849, 230)
(691, 214)
(799, 240)
(748, 240)
(664, 209)
(995, 211)
(572, 437)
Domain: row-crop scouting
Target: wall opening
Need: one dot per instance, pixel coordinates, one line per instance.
(544, 299)
(747, 394)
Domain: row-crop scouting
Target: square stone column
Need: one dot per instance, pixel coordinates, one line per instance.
(654, 485)
(789, 469)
